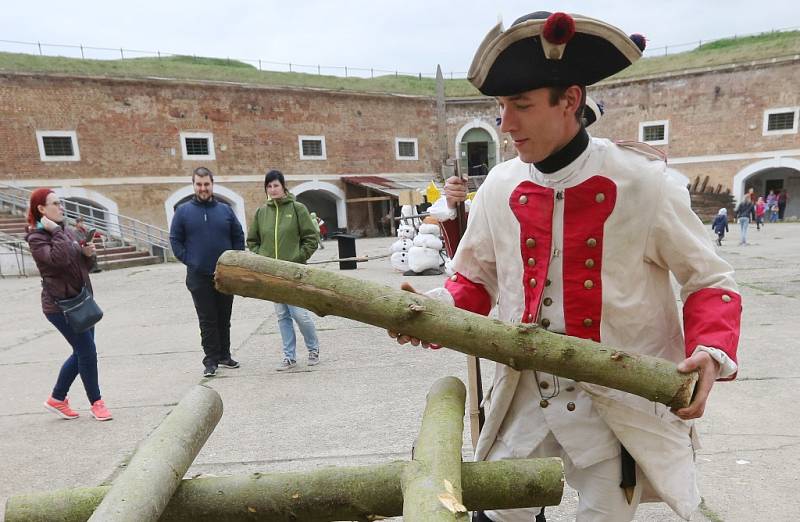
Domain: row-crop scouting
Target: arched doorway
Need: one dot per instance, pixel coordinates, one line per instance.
(186, 199)
(477, 148)
(774, 174)
(90, 211)
(326, 199)
(96, 208)
(223, 194)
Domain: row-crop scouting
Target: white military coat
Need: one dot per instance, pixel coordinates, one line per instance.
(588, 251)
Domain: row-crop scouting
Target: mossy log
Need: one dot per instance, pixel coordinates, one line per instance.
(340, 493)
(522, 347)
(143, 490)
(432, 483)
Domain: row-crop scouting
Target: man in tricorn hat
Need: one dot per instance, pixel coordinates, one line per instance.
(580, 235)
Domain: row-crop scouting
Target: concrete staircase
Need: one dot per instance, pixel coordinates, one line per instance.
(111, 253)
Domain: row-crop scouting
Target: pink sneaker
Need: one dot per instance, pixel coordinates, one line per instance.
(100, 412)
(61, 408)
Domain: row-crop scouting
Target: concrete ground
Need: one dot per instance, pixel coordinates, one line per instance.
(364, 402)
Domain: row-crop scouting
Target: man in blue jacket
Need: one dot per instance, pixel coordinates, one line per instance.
(202, 229)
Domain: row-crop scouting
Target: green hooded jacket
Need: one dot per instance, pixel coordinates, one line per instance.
(282, 229)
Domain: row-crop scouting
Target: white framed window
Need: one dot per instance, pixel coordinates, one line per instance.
(198, 146)
(312, 147)
(780, 121)
(405, 148)
(654, 132)
(58, 145)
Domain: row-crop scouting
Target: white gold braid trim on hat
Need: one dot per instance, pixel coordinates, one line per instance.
(496, 41)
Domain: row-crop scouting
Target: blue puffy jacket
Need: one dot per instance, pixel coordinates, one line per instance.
(201, 231)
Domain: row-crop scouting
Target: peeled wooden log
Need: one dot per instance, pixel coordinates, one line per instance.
(143, 490)
(346, 493)
(522, 347)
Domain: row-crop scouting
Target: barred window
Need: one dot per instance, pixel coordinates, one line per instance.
(57, 146)
(780, 121)
(197, 146)
(654, 132)
(312, 147)
(407, 149)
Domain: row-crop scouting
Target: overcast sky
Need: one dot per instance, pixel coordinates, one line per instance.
(406, 35)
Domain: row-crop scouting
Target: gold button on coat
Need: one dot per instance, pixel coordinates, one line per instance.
(544, 385)
(591, 242)
(570, 388)
(547, 282)
(523, 200)
(530, 242)
(532, 282)
(571, 406)
(544, 403)
(548, 301)
(545, 322)
(530, 317)
(726, 298)
(600, 197)
(587, 322)
(588, 284)
(589, 263)
(531, 261)
(453, 277)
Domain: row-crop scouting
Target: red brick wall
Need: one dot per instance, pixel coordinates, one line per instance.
(131, 127)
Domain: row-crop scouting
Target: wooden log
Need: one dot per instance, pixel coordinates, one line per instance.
(143, 490)
(432, 483)
(522, 346)
(345, 493)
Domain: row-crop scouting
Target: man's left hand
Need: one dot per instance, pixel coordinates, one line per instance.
(709, 372)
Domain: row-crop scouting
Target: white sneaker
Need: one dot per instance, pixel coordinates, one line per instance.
(286, 364)
(313, 358)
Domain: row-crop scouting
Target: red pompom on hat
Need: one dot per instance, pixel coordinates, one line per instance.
(639, 40)
(559, 28)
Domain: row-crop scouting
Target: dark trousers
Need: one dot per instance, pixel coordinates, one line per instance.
(83, 361)
(214, 314)
(781, 210)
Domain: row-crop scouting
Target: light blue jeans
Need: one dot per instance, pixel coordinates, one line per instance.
(744, 222)
(304, 321)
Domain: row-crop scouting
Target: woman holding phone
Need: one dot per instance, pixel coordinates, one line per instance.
(64, 265)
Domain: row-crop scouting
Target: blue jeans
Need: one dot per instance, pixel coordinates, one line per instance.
(744, 222)
(83, 361)
(304, 321)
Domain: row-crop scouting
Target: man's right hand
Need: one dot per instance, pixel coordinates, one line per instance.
(455, 191)
(405, 339)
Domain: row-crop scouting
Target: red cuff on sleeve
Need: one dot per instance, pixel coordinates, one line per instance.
(712, 317)
(468, 295)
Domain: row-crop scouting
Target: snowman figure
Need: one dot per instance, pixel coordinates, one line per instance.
(425, 257)
(401, 247)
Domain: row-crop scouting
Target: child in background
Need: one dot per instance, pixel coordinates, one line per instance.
(720, 225)
(761, 209)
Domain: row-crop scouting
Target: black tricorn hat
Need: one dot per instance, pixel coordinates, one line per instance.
(545, 49)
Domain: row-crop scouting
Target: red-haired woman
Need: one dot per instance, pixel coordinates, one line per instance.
(64, 266)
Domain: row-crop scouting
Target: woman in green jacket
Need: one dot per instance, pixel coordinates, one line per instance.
(282, 229)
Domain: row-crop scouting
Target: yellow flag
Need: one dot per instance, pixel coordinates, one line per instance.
(432, 193)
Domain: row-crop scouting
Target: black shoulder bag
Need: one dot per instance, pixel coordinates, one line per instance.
(82, 311)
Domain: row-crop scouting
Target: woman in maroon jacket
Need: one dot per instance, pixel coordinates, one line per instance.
(64, 266)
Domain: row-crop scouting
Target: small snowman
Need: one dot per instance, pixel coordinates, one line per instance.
(401, 247)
